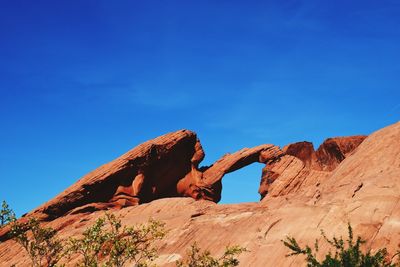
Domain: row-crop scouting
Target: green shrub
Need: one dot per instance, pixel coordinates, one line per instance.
(41, 244)
(7, 215)
(132, 244)
(343, 256)
(117, 245)
(106, 243)
(89, 245)
(198, 258)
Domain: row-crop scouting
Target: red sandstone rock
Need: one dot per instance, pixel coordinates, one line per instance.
(167, 166)
(335, 150)
(211, 179)
(363, 189)
(147, 172)
(303, 151)
(302, 165)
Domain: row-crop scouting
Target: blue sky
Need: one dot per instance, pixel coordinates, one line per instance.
(82, 82)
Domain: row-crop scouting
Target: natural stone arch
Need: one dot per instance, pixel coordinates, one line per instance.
(167, 166)
(207, 184)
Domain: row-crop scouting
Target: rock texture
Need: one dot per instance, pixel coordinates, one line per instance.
(363, 188)
(302, 165)
(149, 171)
(210, 181)
(167, 166)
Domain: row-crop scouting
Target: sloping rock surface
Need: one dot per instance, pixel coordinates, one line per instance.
(363, 189)
(149, 171)
(302, 165)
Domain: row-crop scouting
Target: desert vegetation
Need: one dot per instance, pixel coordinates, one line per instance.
(198, 258)
(106, 243)
(347, 253)
(40, 243)
(7, 215)
(109, 243)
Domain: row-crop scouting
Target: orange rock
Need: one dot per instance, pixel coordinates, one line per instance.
(166, 166)
(364, 189)
(302, 165)
(147, 172)
(334, 150)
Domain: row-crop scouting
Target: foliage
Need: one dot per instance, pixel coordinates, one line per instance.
(43, 248)
(132, 243)
(350, 256)
(117, 245)
(198, 258)
(90, 245)
(7, 215)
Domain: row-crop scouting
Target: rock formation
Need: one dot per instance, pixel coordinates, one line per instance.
(302, 165)
(167, 166)
(345, 180)
(209, 180)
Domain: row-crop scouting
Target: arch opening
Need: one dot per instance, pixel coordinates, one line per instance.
(242, 185)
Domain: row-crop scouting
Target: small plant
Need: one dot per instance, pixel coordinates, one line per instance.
(106, 243)
(198, 258)
(344, 256)
(41, 244)
(7, 215)
(133, 244)
(90, 245)
(118, 244)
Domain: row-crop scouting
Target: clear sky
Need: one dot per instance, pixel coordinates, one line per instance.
(82, 82)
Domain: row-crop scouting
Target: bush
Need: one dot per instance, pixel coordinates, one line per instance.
(132, 243)
(7, 215)
(41, 244)
(90, 245)
(105, 243)
(198, 258)
(117, 245)
(344, 256)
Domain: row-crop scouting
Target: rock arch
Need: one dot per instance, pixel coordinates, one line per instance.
(167, 166)
(206, 184)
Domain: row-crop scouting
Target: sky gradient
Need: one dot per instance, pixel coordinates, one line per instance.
(82, 82)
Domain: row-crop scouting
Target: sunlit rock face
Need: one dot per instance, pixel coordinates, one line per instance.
(149, 171)
(363, 189)
(302, 165)
(167, 166)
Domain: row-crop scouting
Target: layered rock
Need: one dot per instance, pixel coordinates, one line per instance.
(167, 166)
(302, 165)
(334, 150)
(149, 171)
(364, 189)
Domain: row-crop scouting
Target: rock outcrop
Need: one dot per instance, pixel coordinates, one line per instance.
(149, 171)
(302, 165)
(167, 166)
(210, 182)
(360, 185)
